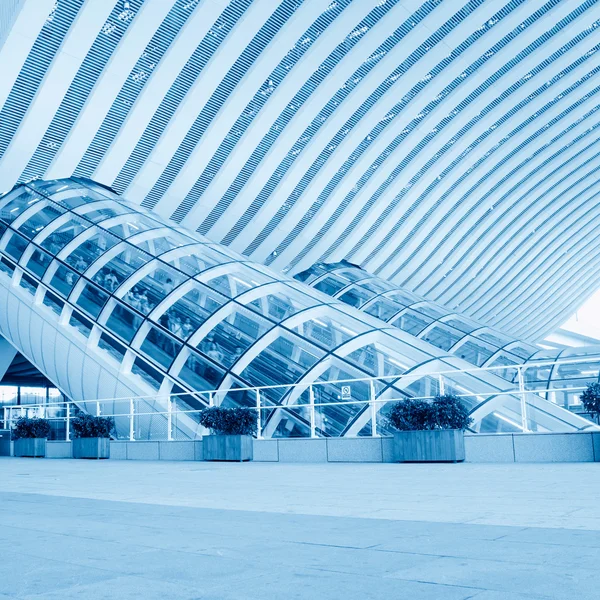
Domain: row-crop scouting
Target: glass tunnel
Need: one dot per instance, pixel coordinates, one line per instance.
(458, 334)
(179, 315)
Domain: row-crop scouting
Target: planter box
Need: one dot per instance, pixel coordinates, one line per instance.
(227, 447)
(438, 445)
(91, 448)
(34, 447)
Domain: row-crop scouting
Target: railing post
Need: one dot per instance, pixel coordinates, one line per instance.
(523, 400)
(5, 411)
(169, 419)
(373, 408)
(68, 434)
(98, 412)
(311, 397)
(131, 413)
(211, 399)
(441, 384)
(259, 416)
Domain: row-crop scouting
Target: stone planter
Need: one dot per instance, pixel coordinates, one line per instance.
(227, 447)
(438, 445)
(91, 448)
(32, 447)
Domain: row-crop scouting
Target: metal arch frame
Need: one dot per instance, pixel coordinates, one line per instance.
(148, 102)
(196, 98)
(401, 120)
(331, 127)
(226, 118)
(281, 97)
(548, 183)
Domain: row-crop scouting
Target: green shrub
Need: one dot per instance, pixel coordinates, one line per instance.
(451, 413)
(591, 399)
(444, 412)
(229, 421)
(31, 428)
(88, 426)
(412, 415)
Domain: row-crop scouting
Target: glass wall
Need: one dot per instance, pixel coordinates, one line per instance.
(176, 312)
(461, 336)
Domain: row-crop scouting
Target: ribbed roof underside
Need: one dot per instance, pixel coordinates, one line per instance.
(447, 146)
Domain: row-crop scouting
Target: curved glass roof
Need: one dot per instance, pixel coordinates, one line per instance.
(184, 314)
(459, 335)
(448, 146)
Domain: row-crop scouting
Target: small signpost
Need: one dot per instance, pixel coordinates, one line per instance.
(346, 393)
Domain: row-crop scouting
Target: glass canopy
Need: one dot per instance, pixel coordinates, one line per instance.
(185, 315)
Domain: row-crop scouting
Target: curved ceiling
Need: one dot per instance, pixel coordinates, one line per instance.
(448, 146)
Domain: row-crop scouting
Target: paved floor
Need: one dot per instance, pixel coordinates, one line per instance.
(148, 530)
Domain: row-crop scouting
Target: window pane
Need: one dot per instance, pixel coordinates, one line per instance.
(161, 347)
(123, 322)
(39, 220)
(240, 280)
(57, 240)
(412, 322)
(39, 261)
(53, 302)
(28, 283)
(149, 374)
(16, 246)
(64, 279)
(92, 300)
(442, 337)
(153, 288)
(116, 350)
(83, 256)
(190, 311)
(18, 205)
(201, 374)
(122, 266)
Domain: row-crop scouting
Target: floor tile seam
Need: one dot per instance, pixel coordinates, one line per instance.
(471, 558)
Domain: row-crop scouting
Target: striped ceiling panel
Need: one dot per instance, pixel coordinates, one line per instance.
(449, 146)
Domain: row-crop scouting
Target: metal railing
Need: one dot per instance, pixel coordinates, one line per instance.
(166, 405)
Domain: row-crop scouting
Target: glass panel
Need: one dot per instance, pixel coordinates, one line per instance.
(132, 225)
(149, 374)
(442, 337)
(16, 246)
(403, 297)
(92, 300)
(377, 361)
(63, 280)
(39, 220)
(239, 280)
(233, 336)
(18, 205)
(201, 374)
(356, 296)
(521, 351)
(384, 309)
(330, 285)
(412, 322)
(80, 323)
(83, 256)
(330, 333)
(495, 338)
(430, 310)
(28, 283)
(165, 243)
(197, 259)
(100, 214)
(123, 322)
(282, 304)
(505, 360)
(461, 324)
(161, 347)
(7, 266)
(39, 261)
(283, 361)
(116, 350)
(122, 266)
(473, 352)
(153, 288)
(190, 311)
(57, 240)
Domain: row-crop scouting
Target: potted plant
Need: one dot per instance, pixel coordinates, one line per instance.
(591, 400)
(91, 436)
(231, 433)
(430, 431)
(30, 437)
